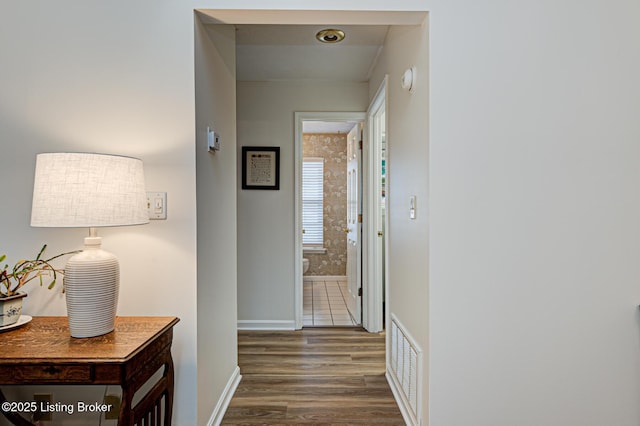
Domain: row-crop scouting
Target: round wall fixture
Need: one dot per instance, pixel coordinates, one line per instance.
(330, 35)
(408, 80)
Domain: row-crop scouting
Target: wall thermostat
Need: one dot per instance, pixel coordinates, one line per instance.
(213, 141)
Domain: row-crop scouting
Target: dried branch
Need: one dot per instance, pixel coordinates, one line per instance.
(25, 271)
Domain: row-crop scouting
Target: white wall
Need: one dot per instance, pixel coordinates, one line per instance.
(535, 159)
(266, 218)
(408, 175)
(113, 77)
(216, 192)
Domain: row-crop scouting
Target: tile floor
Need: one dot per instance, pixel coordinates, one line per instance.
(325, 304)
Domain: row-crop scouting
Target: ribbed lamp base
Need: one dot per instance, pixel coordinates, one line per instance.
(91, 282)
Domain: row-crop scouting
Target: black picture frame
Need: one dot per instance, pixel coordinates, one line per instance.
(261, 167)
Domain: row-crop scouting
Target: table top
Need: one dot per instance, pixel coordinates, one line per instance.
(47, 339)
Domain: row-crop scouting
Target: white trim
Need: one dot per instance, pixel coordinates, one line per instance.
(314, 250)
(225, 398)
(372, 304)
(297, 232)
(324, 278)
(266, 325)
(297, 267)
(400, 400)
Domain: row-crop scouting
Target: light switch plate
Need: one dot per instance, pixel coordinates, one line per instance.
(213, 141)
(157, 205)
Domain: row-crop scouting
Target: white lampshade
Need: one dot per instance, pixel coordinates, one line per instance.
(88, 190)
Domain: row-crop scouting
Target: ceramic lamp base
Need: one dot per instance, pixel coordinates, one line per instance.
(91, 286)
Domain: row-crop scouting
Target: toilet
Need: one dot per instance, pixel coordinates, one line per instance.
(305, 265)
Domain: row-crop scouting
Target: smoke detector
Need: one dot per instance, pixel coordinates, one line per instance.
(408, 80)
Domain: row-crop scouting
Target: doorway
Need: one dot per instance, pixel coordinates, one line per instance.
(266, 102)
(328, 211)
(331, 188)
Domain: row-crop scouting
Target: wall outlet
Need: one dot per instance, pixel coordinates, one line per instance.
(114, 411)
(42, 399)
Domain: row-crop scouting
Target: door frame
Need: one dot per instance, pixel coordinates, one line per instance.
(297, 269)
(373, 314)
(355, 139)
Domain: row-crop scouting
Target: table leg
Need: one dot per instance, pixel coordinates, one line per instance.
(170, 378)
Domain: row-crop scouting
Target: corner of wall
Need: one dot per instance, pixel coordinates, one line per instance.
(217, 351)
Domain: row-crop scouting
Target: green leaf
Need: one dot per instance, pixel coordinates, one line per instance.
(41, 250)
(53, 283)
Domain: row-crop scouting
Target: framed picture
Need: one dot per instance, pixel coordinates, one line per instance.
(261, 167)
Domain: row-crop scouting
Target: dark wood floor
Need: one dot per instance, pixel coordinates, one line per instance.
(330, 376)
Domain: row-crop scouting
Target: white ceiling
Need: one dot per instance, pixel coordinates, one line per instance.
(291, 52)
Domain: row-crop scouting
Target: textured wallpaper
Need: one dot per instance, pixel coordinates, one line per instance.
(333, 148)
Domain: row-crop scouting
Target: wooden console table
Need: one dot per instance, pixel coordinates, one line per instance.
(42, 352)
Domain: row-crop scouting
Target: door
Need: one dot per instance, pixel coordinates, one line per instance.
(354, 228)
(375, 196)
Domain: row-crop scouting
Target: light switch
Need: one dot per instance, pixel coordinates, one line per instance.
(157, 205)
(412, 207)
(213, 141)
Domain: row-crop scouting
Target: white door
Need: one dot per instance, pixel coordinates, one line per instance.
(354, 228)
(375, 194)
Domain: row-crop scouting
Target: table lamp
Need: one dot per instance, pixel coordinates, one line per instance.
(89, 190)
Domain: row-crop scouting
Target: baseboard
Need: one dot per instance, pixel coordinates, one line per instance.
(324, 278)
(402, 403)
(266, 325)
(225, 398)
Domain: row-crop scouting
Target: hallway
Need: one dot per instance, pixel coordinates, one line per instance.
(312, 376)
